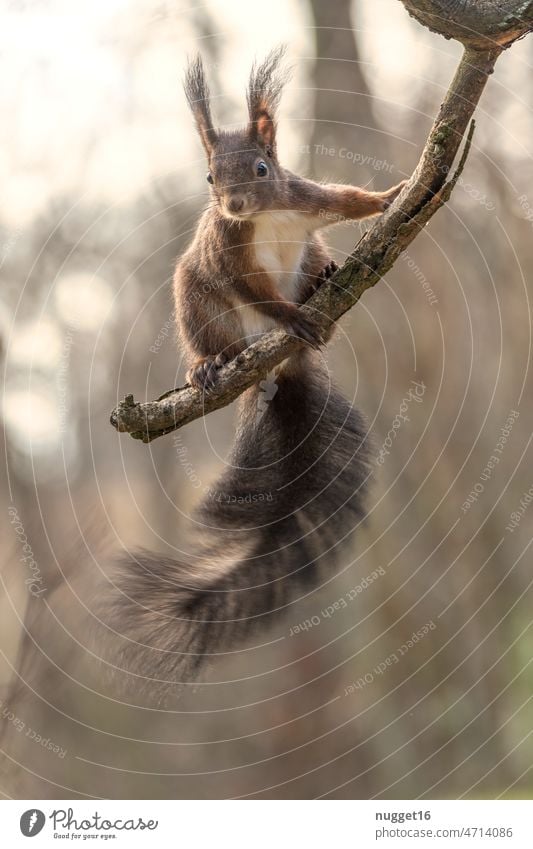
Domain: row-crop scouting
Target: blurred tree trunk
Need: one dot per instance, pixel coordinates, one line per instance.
(344, 114)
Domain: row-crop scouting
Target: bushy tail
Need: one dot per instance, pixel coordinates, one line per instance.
(292, 492)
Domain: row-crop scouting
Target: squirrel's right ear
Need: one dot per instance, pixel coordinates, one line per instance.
(197, 93)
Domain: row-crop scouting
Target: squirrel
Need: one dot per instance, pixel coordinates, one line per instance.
(293, 489)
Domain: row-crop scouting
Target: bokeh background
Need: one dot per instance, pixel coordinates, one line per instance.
(102, 182)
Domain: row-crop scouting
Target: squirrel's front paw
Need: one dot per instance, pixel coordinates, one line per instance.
(203, 375)
(326, 273)
(314, 284)
(305, 328)
(390, 196)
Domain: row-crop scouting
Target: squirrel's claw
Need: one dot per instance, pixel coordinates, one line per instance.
(390, 196)
(327, 272)
(306, 329)
(203, 375)
(321, 278)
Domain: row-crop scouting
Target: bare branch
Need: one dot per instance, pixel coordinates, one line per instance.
(376, 253)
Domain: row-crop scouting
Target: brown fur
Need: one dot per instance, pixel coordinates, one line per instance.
(222, 260)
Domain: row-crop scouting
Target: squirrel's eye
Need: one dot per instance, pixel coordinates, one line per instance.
(262, 169)
(209, 178)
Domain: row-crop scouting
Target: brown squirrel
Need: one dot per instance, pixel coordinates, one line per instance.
(293, 488)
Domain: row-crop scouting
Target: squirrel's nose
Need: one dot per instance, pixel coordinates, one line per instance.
(235, 203)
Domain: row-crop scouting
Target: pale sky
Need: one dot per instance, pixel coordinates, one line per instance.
(92, 91)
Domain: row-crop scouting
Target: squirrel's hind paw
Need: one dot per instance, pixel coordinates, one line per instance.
(306, 329)
(203, 375)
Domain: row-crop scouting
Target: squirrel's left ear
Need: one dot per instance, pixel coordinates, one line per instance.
(264, 92)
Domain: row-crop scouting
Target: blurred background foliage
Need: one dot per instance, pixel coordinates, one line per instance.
(103, 180)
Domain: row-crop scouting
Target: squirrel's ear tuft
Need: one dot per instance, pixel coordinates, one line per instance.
(197, 93)
(264, 93)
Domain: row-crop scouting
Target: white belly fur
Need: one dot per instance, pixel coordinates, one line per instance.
(279, 242)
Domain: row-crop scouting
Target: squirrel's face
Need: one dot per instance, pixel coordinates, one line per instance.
(244, 177)
(244, 173)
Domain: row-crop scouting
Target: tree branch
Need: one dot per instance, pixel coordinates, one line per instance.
(478, 23)
(375, 254)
